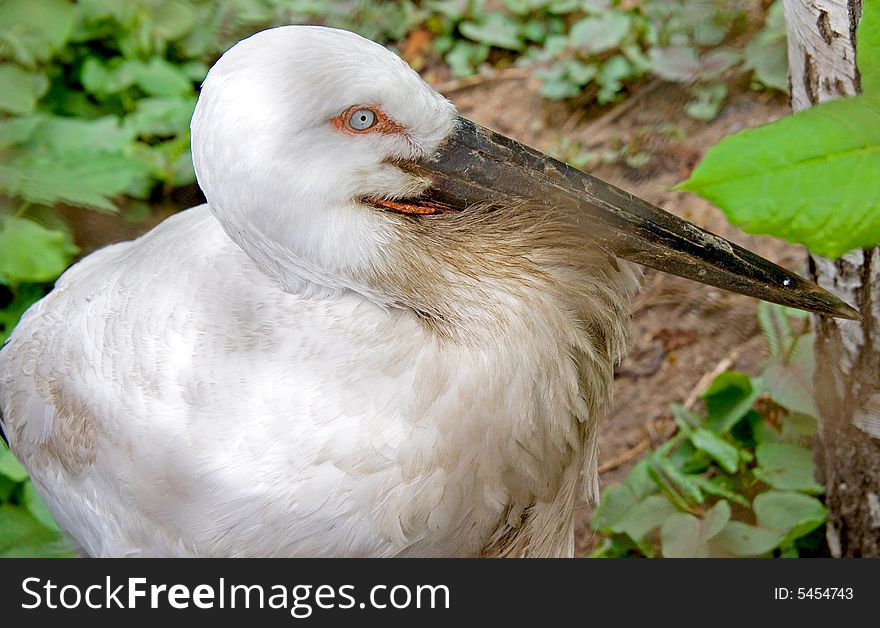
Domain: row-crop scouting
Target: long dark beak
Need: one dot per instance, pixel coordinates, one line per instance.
(476, 166)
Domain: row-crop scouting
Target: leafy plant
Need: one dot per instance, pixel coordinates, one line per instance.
(785, 178)
(26, 526)
(735, 481)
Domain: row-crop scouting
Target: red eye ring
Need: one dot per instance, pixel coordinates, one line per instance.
(380, 123)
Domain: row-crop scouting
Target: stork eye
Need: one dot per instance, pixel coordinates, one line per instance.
(362, 119)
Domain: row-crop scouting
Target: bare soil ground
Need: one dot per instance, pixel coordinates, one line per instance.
(683, 333)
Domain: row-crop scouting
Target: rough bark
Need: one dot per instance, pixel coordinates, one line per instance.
(821, 53)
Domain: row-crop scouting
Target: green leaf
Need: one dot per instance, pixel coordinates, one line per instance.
(611, 77)
(594, 35)
(25, 295)
(172, 20)
(497, 29)
(158, 77)
(10, 467)
(685, 536)
(725, 454)
(787, 467)
(21, 535)
(784, 178)
(792, 515)
(715, 63)
(559, 89)
(775, 326)
(579, 72)
(767, 53)
(675, 63)
(112, 78)
(32, 253)
(868, 47)
(18, 130)
(64, 135)
(728, 399)
(19, 89)
(33, 33)
(646, 515)
(618, 500)
(464, 57)
(742, 539)
(789, 378)
(161, 116)
(715, 487)
(37, 507)
(676, 485)
(84, 179)
(7, 486)
(707, 102)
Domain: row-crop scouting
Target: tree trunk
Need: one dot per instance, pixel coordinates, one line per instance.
(822, 65)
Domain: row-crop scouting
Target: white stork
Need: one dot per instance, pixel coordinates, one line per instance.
(388, 332)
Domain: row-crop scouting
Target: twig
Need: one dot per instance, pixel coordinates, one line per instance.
(707, 378)
(610, 117)
(704, 381)
(457, 85)
(625, 457)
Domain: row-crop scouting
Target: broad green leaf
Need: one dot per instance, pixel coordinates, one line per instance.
(113, 77)
(611, 77)
(559, 89)
(19, 89)
(32, 253)
(676, 485)
(24, 296)
(685, 536)
(30, 33)
(725, 454)
(790, 514)
(37, 507)
(767, 53)
(729, 398)
(742, 539)
(868, 47)
(809, 178)
(775, 326)
(646, 515)
(787, 467)
(798, 428)
(716, 62)
(617, 500)
(21, 535)
(161, 116)
(601, 33)
(789, 378)
(580, 72)
(675, 63)
(172, 20)
(497, 29)
(64, 135)
(7, 486)
(464, 56)
(18, 130)
(10, 467)
(159, 77)
(86, 179)
(715, 487)
(707, 102)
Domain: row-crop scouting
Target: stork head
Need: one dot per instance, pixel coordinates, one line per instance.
(333, 164)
